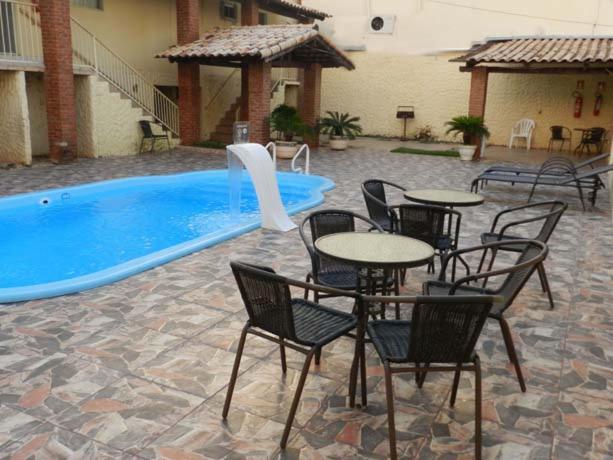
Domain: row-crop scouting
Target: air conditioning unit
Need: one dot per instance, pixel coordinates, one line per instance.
(382, 24)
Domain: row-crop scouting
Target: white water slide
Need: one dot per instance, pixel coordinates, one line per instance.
(261, 168)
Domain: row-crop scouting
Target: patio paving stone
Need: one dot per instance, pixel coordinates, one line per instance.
(139, 368)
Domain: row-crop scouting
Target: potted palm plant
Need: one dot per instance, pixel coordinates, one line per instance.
(471, 128)
(286, 122)
(341, 127)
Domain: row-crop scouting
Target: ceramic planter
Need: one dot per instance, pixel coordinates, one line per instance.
(338, 143)
(286, 150)
(467, 152)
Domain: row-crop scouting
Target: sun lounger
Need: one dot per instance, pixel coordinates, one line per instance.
(554, 176)
(534, 171)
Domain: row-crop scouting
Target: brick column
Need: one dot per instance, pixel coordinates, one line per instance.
(477, 98)
(310, 104)
(59, 79)
(255, 99)
(188, 30)
(250, 13)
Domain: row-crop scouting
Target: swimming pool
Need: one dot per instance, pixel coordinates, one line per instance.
(71, 239)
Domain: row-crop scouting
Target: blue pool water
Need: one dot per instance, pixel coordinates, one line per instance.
(67, 240)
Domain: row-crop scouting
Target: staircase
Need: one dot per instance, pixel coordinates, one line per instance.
(21, 42)
(223, 130)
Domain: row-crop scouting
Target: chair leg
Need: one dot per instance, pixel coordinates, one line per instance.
(482, 260)
(478, 440)
(508, 341)
(422, 376)
(391, 421)
(397, 291)
(283, 361)
(454, 388)
(237, 363)
(142, 143)
(490, 265)
(296, 401)
(306, 291)
(545, 284)
(318, 356)
(152, 145)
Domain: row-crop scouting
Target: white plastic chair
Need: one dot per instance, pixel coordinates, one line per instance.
(522, 129)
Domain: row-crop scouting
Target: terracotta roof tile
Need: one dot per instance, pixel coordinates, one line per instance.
(263, 42)
(295, 7)
(542, 50)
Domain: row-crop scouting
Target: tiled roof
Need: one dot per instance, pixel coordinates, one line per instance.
(542, 50)
(261, 42)
(281, 6)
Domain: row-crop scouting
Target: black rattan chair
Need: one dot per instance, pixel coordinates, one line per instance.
(441, 336)
(148, 134)
(514, 278)
(551, 213)
(435, 225)
(560, 134)
(592, 137)
(324, 270)
(376, 201)
(290, 322)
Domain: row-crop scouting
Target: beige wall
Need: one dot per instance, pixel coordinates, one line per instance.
(410, 66)
(37, 109)
(16, 145)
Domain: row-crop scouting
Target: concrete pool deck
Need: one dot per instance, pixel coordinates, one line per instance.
(139, 368)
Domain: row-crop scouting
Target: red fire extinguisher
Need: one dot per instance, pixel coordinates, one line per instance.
(597, 104)
(578, 104)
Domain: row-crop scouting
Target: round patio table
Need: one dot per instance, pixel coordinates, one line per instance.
(373, 251)
(446, 198)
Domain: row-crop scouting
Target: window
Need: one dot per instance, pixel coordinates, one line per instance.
(262, 19)
(228, 11)
(94, 4)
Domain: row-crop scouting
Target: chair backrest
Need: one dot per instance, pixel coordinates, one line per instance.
(595, 134)
(267, 299)
(445, 329)
(376, 201)
(523, 127)
(326, 222)
(557, 132)
(533, 254)
(422, 222)
(145, 126)
(551, 220)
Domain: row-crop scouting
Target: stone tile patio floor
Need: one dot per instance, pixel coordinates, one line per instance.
(138, 369)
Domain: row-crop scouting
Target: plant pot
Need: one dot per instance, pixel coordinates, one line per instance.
(467, 152)
(339, 143)
(286, 150)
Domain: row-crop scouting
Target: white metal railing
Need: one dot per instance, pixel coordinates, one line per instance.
(20, 34)
(272, 148)
(91, 52)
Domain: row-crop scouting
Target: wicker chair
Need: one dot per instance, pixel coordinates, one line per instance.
(148, 134)
(435, 225)
(515, 276)
(551, 213)
(376, 201)
(441, 336)
(324, 270)
(290, 322)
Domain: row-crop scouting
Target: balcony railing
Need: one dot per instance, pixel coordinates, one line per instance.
(20, 34)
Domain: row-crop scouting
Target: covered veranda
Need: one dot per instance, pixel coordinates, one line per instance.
(256, 50)
(551, 56)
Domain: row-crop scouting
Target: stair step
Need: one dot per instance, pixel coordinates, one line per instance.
(224, 129)
(217, 137)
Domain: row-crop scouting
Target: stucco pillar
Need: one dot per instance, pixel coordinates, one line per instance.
(188, 30)
(310, 104)
(59, 83)
(255, 99)
(16, 145)
(477, 98)
(250, 13)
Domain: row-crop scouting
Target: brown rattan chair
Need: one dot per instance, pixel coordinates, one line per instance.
(376, 201)
(435, 225)
(327, 271)
(551, 212)
(440, 337)
(514, 277)
(560, 134)
(296, 323)
(595, 137)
